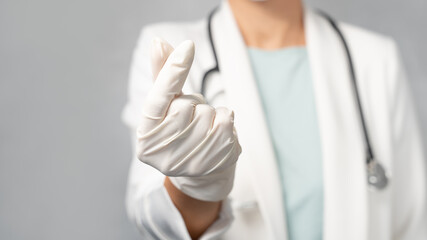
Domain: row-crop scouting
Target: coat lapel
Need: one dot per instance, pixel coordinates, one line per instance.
(242, 97)
(345, 187)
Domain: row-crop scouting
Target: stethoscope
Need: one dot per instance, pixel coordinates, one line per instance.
(376, 175)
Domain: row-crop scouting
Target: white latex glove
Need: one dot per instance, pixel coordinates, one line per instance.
(191, 142)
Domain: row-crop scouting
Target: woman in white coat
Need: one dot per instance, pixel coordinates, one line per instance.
(189, 156)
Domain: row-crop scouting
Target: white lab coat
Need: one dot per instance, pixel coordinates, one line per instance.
(256, 209)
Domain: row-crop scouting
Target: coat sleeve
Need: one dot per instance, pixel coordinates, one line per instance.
(148, 204)
(409, 163)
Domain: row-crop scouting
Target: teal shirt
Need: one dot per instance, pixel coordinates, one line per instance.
(286, 90)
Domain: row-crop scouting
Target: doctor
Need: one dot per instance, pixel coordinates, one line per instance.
(277, 147)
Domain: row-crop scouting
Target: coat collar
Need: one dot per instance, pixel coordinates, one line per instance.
(345, 189)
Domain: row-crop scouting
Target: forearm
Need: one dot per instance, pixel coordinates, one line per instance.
(198, 215)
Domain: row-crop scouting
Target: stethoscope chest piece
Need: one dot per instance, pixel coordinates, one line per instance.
(377, 177)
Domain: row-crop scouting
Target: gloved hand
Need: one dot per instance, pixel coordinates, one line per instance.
(180, 135)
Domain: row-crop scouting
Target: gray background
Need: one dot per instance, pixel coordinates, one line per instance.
(64, 153)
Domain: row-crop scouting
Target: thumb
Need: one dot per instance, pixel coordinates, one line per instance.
(169, 81)
(160, 51)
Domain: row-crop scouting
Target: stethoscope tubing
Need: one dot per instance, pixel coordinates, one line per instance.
(376, 175)
(216, 67)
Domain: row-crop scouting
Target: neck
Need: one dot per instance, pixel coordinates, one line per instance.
(270, 24)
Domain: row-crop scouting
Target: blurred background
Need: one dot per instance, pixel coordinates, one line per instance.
(64, 153)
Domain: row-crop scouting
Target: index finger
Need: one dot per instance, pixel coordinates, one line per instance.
(170, 81)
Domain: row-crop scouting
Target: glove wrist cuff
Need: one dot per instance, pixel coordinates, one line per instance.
(213, 187)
